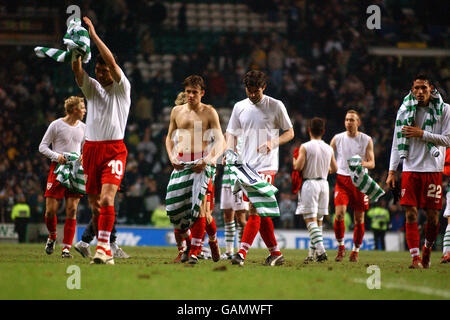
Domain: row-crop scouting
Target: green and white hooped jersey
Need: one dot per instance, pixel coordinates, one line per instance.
(227, 178)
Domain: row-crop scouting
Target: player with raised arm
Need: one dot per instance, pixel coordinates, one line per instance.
(64, 135)
(315, 161)
(258, 120)
(421, 144)
(347, 144)
(104, 152)
(191, 129)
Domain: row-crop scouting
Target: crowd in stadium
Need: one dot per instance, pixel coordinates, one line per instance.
(313, 75)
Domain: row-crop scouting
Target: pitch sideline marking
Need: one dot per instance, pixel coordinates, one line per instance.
(423, 290)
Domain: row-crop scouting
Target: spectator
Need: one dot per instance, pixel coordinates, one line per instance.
(20, 215)
(287, 211)
(144, 110)
(217, 89)
(379, 223)
(152, 199)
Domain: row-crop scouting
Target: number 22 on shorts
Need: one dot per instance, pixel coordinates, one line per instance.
(434, 191)
(116, 167)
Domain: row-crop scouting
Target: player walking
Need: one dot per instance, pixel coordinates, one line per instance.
(347, 144)
(234, 208)
(187, 140)
(258, 120)
(104, 152)
(64, 135)
(421, 184)
(315, 161)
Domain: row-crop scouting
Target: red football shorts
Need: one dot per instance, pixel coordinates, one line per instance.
(269, 176)
(346, 194)
(103, 162)
(55, 189)
(422, 190)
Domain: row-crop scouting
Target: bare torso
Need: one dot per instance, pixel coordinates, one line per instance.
(192, 125)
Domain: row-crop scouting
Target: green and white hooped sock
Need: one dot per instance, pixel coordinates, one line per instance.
(316, 237)
(446, 242)
(230, 231)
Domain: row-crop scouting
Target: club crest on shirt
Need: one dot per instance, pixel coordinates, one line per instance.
(403, 192)
(49, 185)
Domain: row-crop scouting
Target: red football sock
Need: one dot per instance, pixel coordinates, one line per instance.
(51, 226)
(431, 232)
(250, 231)
(339, 230)
(69, 232)
(197, 230)
(179, 239)
(267, 234)
(412, 238)
(105, 223)
(358, 234)
(211, 230)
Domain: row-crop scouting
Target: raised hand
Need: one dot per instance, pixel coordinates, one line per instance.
(90, 25)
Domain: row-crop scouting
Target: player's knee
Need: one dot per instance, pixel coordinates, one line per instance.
(71, 212)
(106, 201)
(50, 212)
(411, 214)
(359, 217)
(433, 217)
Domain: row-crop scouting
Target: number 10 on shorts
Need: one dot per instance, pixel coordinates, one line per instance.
(116, 167)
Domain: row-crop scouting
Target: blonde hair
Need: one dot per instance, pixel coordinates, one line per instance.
(72, 102)
(354, 112)
(181, 99)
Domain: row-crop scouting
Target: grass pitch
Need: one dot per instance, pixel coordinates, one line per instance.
(27, 272)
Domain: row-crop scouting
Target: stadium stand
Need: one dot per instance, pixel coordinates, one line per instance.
(315, 52)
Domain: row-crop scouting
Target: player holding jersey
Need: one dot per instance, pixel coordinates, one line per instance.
(258, 120)
(315, 161)
(193, 125)
(421, 185)
(104, 152)
(65, 135)
(234, 208)
(345, 145)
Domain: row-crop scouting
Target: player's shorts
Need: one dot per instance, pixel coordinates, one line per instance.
(103, 163)
(422, 190)
(346, 194)
(55, 189)
(268, 176)
(228, 200)
(313, 198)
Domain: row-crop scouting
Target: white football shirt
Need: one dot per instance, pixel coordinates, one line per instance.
(347, 147)
(63, 137)
(318, 159)
(107, 108)
(419, 158)
(258, 123)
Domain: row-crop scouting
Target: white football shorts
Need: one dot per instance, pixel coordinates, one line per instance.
(228, 200)
(313, 198)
